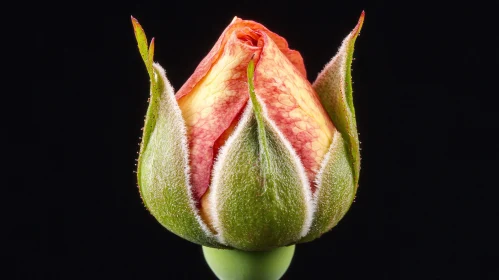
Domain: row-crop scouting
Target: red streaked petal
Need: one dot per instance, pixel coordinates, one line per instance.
(294, 106)
(214, 95)
(211, 106)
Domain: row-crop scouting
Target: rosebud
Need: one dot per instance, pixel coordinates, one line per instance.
(248, 154)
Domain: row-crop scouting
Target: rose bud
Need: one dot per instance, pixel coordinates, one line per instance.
(248, 154)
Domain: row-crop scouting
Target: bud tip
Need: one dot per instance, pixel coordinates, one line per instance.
(357, 28)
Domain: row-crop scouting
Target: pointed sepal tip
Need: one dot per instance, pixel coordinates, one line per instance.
(146, 52)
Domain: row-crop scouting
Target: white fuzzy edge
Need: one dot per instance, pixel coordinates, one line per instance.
(307, 191)
(339, 55)
(217, 168)
(324, 163)
(187, 170)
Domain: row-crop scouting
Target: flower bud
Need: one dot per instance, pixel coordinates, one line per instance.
(248, 154)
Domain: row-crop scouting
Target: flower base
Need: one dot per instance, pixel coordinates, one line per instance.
(239, 265)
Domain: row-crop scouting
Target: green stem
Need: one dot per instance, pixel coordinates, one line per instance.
(243, 265)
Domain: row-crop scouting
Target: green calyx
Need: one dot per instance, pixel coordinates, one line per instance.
(242, 265)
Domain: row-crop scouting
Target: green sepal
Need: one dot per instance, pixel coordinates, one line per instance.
(162, 171)
(335, 189)
(145, 52)
(260, 197)
(334, 87)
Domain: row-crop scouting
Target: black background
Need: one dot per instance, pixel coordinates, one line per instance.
(423, 73)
